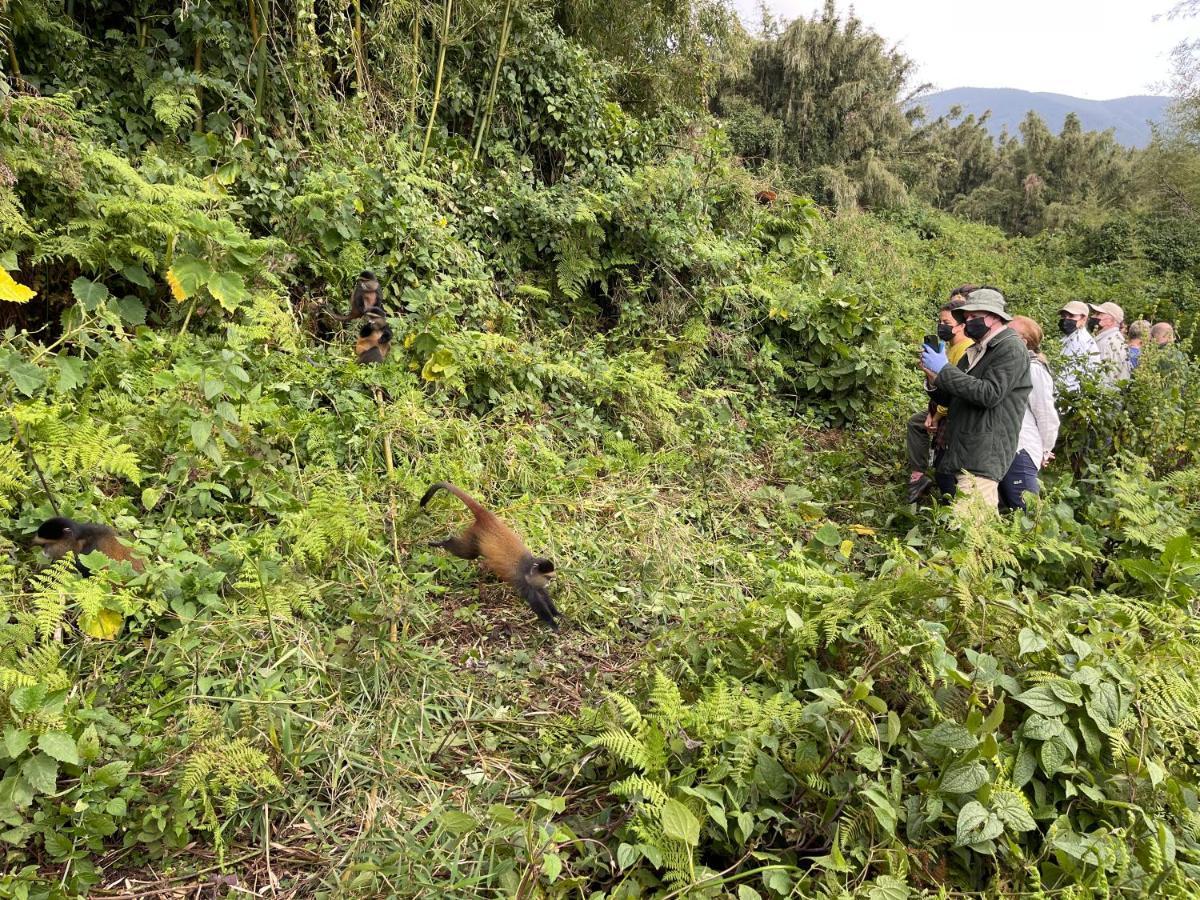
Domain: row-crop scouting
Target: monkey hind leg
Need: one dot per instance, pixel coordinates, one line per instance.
(462, 545)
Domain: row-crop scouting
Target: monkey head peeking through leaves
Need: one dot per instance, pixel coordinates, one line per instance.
(60, 536)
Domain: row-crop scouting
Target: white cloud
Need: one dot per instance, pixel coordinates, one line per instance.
(1098, 49)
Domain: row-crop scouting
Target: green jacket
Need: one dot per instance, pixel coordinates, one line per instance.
(986, 405)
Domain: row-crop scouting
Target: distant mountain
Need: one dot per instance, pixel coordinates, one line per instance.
(1129, 116)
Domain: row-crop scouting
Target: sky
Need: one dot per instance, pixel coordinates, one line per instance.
(1096, 49)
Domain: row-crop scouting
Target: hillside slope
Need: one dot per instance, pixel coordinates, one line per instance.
(1129, 117)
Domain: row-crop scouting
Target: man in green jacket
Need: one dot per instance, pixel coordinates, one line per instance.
(987, 393)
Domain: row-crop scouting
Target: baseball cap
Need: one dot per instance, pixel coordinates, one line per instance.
(1075, 308)
(1111, 308)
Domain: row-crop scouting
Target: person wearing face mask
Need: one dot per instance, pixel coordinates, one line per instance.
(923, 426)
(987, 393)
(1081, 356)
(1114, 358)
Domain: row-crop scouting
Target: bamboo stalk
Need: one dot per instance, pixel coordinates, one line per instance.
(253, 11)
(416, 69)
(260, 84)
(437, 82)
(198, 70)
(360, 60)
(491, 95)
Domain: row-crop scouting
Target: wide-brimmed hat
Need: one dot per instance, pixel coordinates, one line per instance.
(986, 300)
(1111, 308)
(1075, 308)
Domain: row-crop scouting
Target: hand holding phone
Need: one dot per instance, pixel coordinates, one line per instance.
(933, 342)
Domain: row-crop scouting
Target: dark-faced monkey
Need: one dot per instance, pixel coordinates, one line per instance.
(504, 554)
(59, 536)
(374, 341)
(365, 297)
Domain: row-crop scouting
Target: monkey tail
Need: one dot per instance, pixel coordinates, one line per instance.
(471, 503)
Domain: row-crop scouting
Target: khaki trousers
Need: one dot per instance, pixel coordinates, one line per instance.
(974, 492)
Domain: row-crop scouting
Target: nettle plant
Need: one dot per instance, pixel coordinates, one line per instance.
(1039, 742)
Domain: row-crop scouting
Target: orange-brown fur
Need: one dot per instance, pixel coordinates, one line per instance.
(60, 536)
(504, 553)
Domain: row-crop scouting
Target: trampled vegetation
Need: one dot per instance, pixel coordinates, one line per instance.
(773, 679)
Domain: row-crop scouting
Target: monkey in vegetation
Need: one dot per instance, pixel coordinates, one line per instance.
(365, 300)
(60, 536)
(766, 198)
(374, 340)
(503, 552)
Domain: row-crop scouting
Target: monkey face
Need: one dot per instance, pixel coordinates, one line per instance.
(543, 571)
(57, 536)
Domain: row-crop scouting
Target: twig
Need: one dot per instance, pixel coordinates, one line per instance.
(41, 476)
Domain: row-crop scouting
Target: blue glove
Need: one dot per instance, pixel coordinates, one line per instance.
(933, 360)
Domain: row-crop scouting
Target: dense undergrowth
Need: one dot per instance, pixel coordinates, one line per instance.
(773, 678)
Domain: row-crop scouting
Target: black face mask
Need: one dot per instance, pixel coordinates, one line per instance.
(1094, 323)
(975, 329)
(945, 332)
(1067, 326)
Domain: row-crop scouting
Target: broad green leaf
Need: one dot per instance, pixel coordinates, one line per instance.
(950, 735)
(58, 845)
(870, 758)
(965, 779)
(27, 377)
(230, 290)
(131, 310)
(828, 535)
(41, 771)
(1025, 766)
(458, 822)
(70, 371)
(1042, 699)
(27, 699)
(679, 823)
(1030, 641)
(976, 825)
(16, 741)
(627, 855)
(190, 274)
(1011, 809)
(60, 746)
(89, 293)
(137, 275)
(889, 887)
(8, 262)
(994, 719)
(778, 881)
(201, 431)
(1042, 728)
(1053, 754)
(552, 865)
(745, 892)
(1104, 706)
(1067, 691)
(112, 774)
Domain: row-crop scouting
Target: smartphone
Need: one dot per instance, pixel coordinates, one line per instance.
(933, 342)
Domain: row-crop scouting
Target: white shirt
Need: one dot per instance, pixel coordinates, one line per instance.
(1113, 355)
(1081, 356)
(1039, 428)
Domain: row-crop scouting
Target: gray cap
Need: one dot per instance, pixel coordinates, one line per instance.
(986, 300)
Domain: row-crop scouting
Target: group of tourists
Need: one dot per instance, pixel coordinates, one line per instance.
(991, 420)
